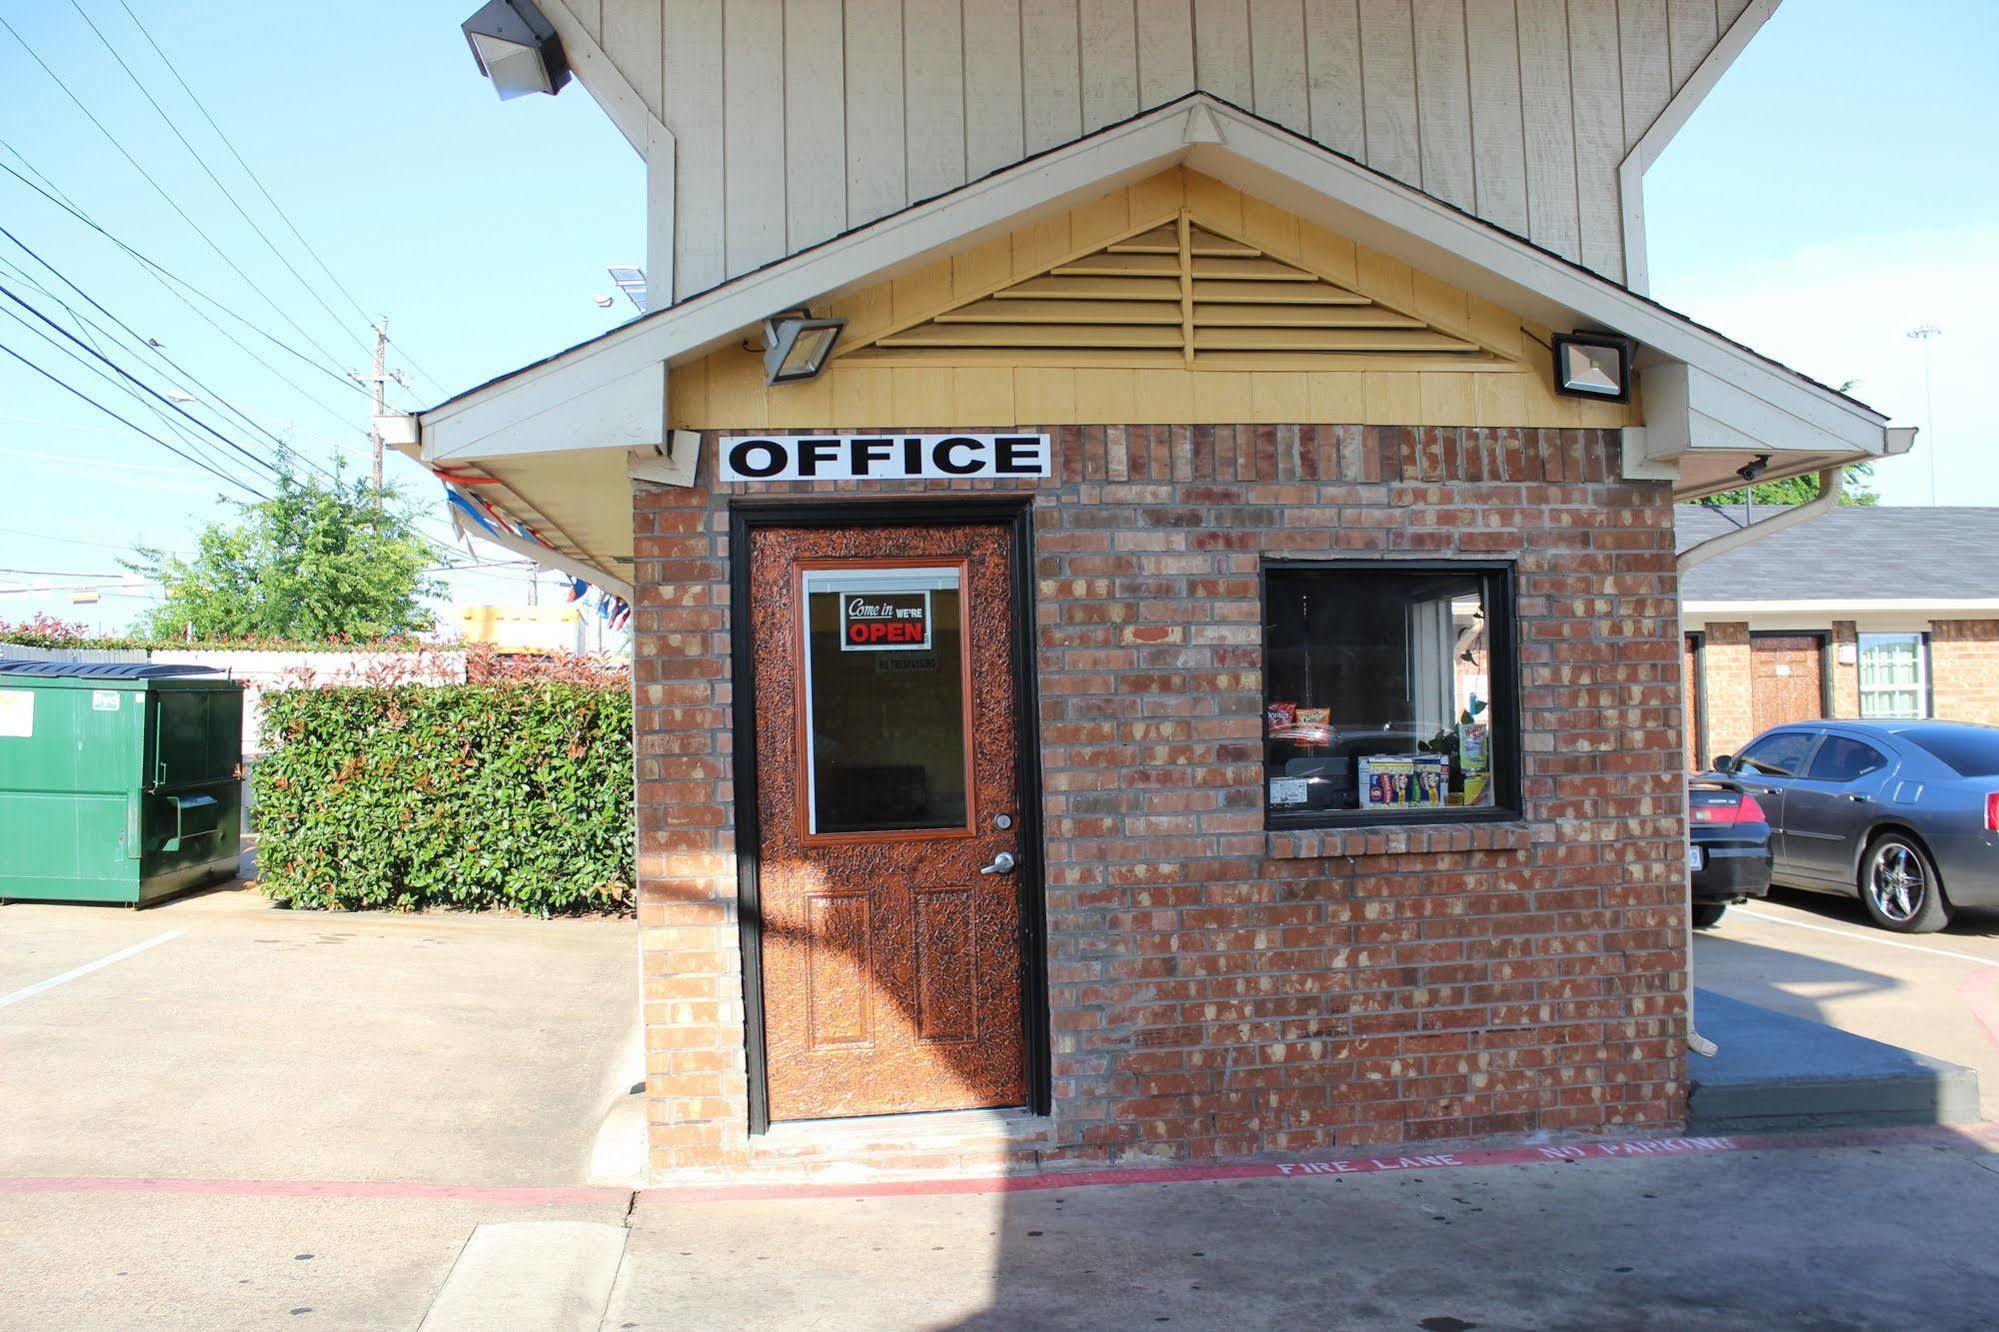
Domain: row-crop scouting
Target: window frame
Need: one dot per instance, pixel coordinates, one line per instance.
(1501, 602)
(1924, 701)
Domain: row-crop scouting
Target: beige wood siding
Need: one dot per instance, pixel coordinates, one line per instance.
(796, 119)
(878, 376)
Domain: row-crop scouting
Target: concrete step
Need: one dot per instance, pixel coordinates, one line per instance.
(1773, 1071)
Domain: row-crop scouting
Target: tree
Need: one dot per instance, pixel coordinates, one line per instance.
(318, 560)
(1801, 490)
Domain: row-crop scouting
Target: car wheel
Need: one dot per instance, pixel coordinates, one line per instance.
(1900, 888)
(1707, 915)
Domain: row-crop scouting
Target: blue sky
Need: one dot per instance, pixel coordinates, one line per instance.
(1835, 191)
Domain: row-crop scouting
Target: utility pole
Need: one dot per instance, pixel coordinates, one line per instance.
(378, 382)
(1923, 334)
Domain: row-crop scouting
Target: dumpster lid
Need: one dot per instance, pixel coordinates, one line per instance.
(101, 670)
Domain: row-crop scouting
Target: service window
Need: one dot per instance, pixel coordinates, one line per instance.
(1390, 693)
(1894, 676)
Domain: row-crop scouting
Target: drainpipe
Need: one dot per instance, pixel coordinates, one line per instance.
(1831, 481)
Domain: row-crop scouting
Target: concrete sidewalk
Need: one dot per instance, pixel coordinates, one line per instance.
(1857, 1237)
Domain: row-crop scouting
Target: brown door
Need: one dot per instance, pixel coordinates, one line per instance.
(1787, 678)
(888, 819)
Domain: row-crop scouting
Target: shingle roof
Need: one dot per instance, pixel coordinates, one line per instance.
(1855, 553)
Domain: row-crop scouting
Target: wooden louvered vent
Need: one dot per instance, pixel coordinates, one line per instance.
(1178, 294)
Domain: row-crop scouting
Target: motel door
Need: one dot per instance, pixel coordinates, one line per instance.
(887, 776)
(1787, 679)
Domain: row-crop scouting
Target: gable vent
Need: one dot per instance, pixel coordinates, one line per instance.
(1177, 295)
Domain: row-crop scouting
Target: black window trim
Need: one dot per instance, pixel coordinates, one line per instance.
(1503, 678)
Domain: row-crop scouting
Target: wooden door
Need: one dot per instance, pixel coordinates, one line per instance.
(887, 762)
(1787, 678)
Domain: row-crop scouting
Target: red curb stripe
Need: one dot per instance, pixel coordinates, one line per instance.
(390, 1190)
(1623, 1149)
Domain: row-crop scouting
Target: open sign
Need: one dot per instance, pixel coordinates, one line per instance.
(884, 621)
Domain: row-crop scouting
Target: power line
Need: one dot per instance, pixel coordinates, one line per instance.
(146, 345)
(256, 180)
(174, 286)
(161, 190)
(202, 162)
(122, 373)
(59, 382)
(201, 456)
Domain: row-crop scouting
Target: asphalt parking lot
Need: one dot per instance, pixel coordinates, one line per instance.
(220, 1037)
(1818, 957)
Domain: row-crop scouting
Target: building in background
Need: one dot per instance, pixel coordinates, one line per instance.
(1862, 612)
(524, 629)
(1152, 532)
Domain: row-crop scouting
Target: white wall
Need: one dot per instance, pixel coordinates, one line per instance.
(795, 120)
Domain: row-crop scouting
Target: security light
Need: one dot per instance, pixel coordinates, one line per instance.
(516, 48)
(1593, 365)
(796, 346)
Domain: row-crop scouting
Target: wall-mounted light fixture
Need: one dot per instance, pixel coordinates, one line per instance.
(1593, 365)
(516, 48)
(796, 346)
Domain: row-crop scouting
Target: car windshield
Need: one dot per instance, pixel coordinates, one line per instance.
(1969, 753)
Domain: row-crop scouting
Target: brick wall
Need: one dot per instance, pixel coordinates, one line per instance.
(1964, 670)
(1845, 683)
(1216, 990)
(1725, 676)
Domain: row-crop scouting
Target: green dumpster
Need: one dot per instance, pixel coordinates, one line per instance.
(119, 782)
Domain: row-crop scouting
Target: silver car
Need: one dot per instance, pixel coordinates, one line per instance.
(1905, 814)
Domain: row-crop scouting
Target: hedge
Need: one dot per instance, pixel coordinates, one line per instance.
(508, 796)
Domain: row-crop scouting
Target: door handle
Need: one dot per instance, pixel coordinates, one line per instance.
(1858, 798)
(1002, 864)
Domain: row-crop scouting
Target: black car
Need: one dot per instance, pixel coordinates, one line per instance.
(1728, 859)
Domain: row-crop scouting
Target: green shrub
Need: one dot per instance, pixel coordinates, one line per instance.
(473, 796)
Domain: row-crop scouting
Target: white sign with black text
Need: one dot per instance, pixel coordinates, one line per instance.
(883, 457)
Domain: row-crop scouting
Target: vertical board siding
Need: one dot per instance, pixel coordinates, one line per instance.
(1643, 65)
(1051, 72)
(1499, 152)
(994, 120)
(589, 13)
(1109, 54)
(753, 106)
(1277, 61)
(1551, 135)
(1165, 50)
(631, 38)
(797, 119)
(877, 162)
(1221, 50)
(1388, 89)
(1332, 58)
(691, 40)
(1443, 100)
(934, 67)
(1691, 32)
(1599, 127)
(815, 122)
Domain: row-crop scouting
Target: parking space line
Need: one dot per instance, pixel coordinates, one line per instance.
(42, 987)
(1870, 939)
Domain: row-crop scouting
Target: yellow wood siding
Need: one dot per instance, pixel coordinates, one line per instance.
(868, 386)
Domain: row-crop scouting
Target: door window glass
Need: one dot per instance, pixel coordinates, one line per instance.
(1892, 675)
(1842, 760)
(1779, 755)
(884, 700)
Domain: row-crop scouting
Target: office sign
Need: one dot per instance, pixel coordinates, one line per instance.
(884, 621)
(883, 457)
